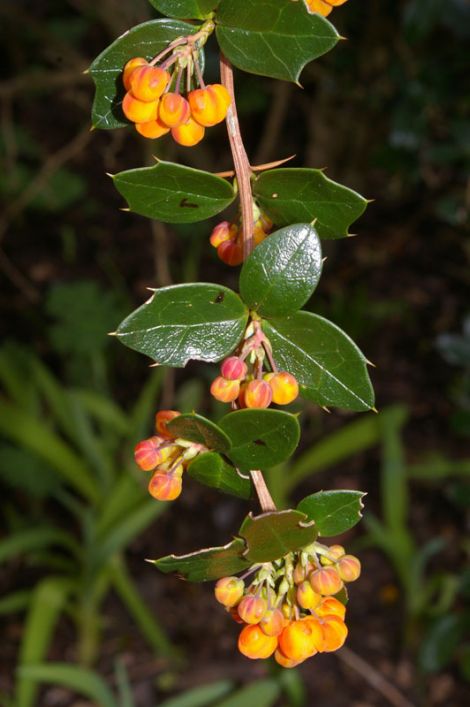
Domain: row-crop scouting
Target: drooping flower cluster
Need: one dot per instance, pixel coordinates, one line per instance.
(323, 7)
(245, 384)
(228, 237)
(289, 609)
(167, 457)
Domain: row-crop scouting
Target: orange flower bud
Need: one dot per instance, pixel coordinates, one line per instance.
(139, 111)
(209, 105)
(229, 590)
(188, 134)
(224, 231)
(154, 129)
(148, 83)
(230, 253)
(299, 574)
(307, 598)
(349, 568)
(326, 581)
(147, 453)
(162, 418)
(334, 553)
(258, 394)
(130, 67)
(254, 644)
(233, 368)
(252, 609)
(284, 386)
(272, 622)
(225, 391)
(165, 487)
(301, 639)
(284, 662)
(323, 7)
(335, 633)
(329, 606)
(174, 110)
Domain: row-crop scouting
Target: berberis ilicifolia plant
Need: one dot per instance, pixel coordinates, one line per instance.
(277, 577)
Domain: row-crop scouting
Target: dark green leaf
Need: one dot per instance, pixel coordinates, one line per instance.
(334, 512)
(282, 272)
(147, 40)
(197, 428)
(272, 37)
(174, 193)
(211, 470)
(260, 438)
(206, 565)
(440, 642)
(343, 596)
(293, 195)
(185, 9)
(198, 321)
(272, 535)
(329, 366)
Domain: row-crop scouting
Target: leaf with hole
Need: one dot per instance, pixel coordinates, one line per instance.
(206, 565)
(199, 321)
(200, 430)
(281, 274)
(334, 512)
(212, 470)
(272, 535)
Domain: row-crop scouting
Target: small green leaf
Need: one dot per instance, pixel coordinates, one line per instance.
(199, 321)
(199, 429)
(282, 272)
(211, 470)
(293, 195)
(260, 438)
(147, 40)
(334, 512)
(185, 9)
(272, 535)
(272, 38)
(173, 193)
(206, 565)
(328, 365)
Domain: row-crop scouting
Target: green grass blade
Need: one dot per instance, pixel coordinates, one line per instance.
(81, 680)
(203, 696)
(124, 497)
(27, 541)
(103, 410)
(15, 602)
(262, 693)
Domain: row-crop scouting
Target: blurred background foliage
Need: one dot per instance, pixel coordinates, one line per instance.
(84, 619)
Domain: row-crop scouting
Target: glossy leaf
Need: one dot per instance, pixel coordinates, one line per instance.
(282, 272)
(272, 535)
(199, 321)
(211, 470)
(174, 193)
(260, 438)
(206, 565)
(334, 512)
(272, 37)
(147, 40)
(330, 368)
(293, 195)
(185, 9)
(199, 429)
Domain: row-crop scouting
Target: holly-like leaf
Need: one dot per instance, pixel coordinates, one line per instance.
(293, 195)
(199, 429)
(211, 470)
(260, 438)
(328, 365)
(206, 565)
(282, 272)
(173, 193)
(273, 38)
(199, 321)
(334, 512)
(272, 535)
(186, 9)
(147, 40)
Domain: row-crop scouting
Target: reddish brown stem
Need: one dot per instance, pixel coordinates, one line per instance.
(265, 499)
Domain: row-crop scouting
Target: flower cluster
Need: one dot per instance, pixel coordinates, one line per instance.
(228, 237)
(167, 457)
(323, 7)
(154, 101)
(289, 609)
(245, 384)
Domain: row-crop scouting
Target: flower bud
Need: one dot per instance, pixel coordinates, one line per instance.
(224, 231)
(329, 606)
(254, 644)
(233, 368)
(258, 394)
(349, 568)
(139, 111)
(148, 83)
(334, 553)
(284, 386)
(229, 590)
(174, 110)
(284, 662)
(335, 633)
(147, 453)
(165, 487)
(209, 105)
(162, 418)
(131, 66)
(272, 622)
(307, 598)
(326, 581)
(226, 391)
(300, 640)
(188, 134)
(300, 573)
(153, 130)
(252, 609)
(230, 253)
(323, 7)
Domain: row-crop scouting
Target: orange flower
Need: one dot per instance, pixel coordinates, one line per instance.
(323, 7)
(255, 644)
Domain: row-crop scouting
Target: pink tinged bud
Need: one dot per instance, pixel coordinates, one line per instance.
(229, 590)
(147, 453)
(162, 418)
(258, 394)
(326, 581)
(272, 622)
(233, 368)
(165, 487)
(300, 573)
(252, 609)
(307, 598)
(349, 568)
(224, 231)
(225, 391)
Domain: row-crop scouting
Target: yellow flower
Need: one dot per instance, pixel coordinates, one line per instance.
(323, 7)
